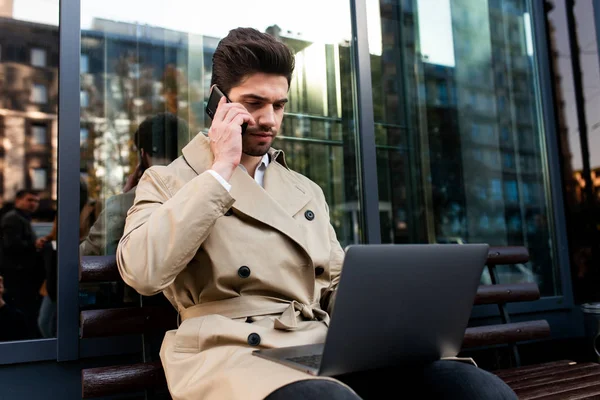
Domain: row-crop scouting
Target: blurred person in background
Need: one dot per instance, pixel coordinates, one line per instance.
(47, 247)
(156, 142)
(12, 321)
(22, 265)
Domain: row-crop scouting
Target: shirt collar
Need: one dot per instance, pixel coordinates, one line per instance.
(264, 163)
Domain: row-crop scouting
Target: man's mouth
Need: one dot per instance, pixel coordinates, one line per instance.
(261, 134)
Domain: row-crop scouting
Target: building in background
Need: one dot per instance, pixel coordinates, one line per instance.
(28, 109)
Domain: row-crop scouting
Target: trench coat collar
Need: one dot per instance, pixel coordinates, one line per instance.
(283, 195)
(198, 155)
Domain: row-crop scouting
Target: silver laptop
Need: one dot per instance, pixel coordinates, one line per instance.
(396, 305)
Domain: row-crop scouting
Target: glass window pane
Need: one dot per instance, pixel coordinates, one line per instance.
(84, 63)
(29, 46)
(159, 65)
(83, 99)
(38, 179)
(39, 94)
(38, 57)
(39, 134)
(458, 132)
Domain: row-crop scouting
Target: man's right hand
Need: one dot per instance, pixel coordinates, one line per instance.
(39, 244)
(225, 136)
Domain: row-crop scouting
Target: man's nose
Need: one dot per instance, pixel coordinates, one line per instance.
(267, 117)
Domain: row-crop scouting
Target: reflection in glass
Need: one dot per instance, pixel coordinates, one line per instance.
(460, 147)
(28, 163)
(582, 205)
(159, 70)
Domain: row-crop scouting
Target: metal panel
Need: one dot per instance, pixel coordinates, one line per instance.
(27, 351)
(68, 181)
(367, 157)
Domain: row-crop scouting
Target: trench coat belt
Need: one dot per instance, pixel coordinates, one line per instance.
(252, 306)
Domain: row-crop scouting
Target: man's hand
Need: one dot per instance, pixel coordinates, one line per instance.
(39, 244)
(225, 136)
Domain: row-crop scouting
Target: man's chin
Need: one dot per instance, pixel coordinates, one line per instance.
(256, 152)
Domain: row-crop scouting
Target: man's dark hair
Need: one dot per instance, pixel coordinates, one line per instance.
(158, 135)
(24, 192)
(245, 51)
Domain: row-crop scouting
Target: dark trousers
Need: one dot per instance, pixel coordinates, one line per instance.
(438, 380)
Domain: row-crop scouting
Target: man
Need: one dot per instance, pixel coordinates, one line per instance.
(12, 321)
(22, 266)
(243, 248)
(156, 140)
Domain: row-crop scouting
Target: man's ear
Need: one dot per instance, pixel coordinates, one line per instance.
(211, 89)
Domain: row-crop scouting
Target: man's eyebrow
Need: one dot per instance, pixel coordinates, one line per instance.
(263, 99)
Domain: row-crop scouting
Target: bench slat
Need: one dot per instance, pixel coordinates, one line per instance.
(502, 255)
(510, 293)
(126, 321)
(557, 373)
(507, 372)
(556, 392)
(99, 269)
(107, 381)
(123, 321)
(104, 268)
(561, 374)
(505, 333)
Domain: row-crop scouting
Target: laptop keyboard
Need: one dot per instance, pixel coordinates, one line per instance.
(313, 361)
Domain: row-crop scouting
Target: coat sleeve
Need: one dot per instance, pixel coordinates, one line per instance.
(336, 259)
(163, 231)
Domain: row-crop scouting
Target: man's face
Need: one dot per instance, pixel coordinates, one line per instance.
(28, 203)
(264, 96)
(1, 286)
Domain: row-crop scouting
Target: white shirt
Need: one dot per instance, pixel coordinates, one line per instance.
(259, 173)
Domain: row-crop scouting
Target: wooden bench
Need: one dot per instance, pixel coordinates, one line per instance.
(529, 382)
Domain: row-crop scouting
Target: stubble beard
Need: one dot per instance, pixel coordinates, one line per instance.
(255, 150)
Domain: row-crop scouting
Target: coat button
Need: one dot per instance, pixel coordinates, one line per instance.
(254, 339)
(229, 212)
(309, 215)
(244, 272)
(319, 271)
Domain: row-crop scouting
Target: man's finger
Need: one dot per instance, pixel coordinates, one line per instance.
(221, 109)
(241, 118)
(233, 113)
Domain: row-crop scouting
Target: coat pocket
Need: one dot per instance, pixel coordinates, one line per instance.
(202, 333)
(211, 331)
(187, 337)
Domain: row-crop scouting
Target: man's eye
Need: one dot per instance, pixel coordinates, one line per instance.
(279, 106)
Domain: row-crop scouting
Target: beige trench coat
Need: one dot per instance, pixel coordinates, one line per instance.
(253, 268)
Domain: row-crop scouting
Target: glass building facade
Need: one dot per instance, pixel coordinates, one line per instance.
(457, 122)
(466, 139)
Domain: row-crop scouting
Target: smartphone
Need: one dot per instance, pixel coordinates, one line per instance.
(213, 102)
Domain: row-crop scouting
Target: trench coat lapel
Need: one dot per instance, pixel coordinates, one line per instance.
(275, 205)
